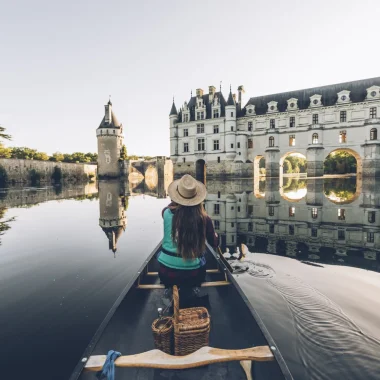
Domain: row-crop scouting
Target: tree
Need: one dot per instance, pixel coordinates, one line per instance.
(123, 153)
(57, 157)
(4, 135)
(287, 167)
(5, 152)
(41, 156)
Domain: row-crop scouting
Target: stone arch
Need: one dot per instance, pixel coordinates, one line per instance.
(295, 196)
(200, 171)
(287, 154)
(256, 165)
(359, 160)
(343, 201)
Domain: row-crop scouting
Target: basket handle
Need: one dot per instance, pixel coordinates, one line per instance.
(176, 303)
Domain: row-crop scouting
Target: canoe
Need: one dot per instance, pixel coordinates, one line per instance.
(240, 345)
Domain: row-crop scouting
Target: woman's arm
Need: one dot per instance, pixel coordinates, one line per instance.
(211, 236)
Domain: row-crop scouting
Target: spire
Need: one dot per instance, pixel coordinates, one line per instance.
(230, 101)
(109, 100)
(173, 111)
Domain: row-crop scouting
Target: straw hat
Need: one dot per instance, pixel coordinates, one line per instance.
(187, 191)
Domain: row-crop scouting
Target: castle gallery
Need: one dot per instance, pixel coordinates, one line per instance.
(229, 137)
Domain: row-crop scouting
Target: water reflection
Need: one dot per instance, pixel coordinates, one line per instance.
(331, 220)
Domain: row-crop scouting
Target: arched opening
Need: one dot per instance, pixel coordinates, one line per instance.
(271, 141)
(293, 189)
(342, 190)
(342, 161)
(315, 138)
(259, 166)
(373, 134)
(293, 164)
(200, 171)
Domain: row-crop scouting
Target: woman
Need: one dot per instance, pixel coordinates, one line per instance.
(186, 229)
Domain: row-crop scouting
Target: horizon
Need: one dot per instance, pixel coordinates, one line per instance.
(61, 62)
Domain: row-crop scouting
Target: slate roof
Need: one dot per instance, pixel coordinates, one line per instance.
(230, 101)
(173, 111)
(329, 95)
(193, 102)
(114, 122)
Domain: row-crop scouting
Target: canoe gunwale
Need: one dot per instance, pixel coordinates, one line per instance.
(90, 347)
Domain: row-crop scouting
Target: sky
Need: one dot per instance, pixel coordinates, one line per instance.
(60, 60)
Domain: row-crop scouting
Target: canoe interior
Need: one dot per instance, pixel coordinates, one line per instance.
(232, 327)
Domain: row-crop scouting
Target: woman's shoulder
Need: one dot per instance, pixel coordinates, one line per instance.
(168, 209)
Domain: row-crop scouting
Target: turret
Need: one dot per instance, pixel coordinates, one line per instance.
(173, 116)
(230, 127)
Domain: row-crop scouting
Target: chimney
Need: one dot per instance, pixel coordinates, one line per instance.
(211, 93)
(241, 92)
(108, 110)
(234, 96)
(199, 92)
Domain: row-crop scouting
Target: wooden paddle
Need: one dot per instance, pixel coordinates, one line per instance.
(225, 262)
(201, 357)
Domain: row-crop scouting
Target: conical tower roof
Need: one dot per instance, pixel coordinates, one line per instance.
(173, 111)
(231, 101)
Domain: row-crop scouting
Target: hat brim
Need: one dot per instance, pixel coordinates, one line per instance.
(177, 198)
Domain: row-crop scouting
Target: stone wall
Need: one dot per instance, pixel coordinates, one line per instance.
(21, 171)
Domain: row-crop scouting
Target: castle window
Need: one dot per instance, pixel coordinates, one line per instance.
(341, 234)
(250, 226)
(238, 208)
(342, 136)
(271, 211)
(216, 209)
(185, 132)
(291, 230)
(250, 143)
(217, 224)
(216, 144)
(373, 113)
(341, 214)
(200, 128)
(343, 116)
(201, 144)
(186, 118)
(232, 224)
(370, 237)
(238, 145)
(232, 128)
(371, 216)
(373, 134)
(314, 213)
(200, 115)
(314, 232)
(292, 122)
(272, 123)
(218, 194)
(216, 114)
(232, 145)
(250, 126)
(216, 128)
(271, 228)
(250, 209)
(232, 114)
(315, 118)
(185, 147)
(315, 138)
(292, 140)
(218, 160)
(271, 141)
(292, 211)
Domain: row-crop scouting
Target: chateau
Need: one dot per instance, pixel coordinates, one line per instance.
(229, 138)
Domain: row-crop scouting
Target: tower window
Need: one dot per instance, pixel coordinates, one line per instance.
(232, 114)
(185, 147)
(216, 128)
(370, 237)
(342, 136)
(341, 234)
(292, 122)
(216, 209)
(292, 140)
(185, 132)
(238, 145)
(216, 144)
(250, 143)
(343, 116)
(218, 194)
(315, 118)
(271, 141)
(216, 114)
(292, 211)
(314, 232)
(232, 128)
(217, 224)
(232, 145)
(272, 123)
(200, 128)
(373, 113)
(250, 126)
(373, 134)
(315, 138)
(314, 213)
(371, 216)
(341, 214)
(201, 144)
(270, 210)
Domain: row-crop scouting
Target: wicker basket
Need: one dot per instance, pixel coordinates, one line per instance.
(162, 329)
(191, 327)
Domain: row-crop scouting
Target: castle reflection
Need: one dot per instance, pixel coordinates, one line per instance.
(332, 220)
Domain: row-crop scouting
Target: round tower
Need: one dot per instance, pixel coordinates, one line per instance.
(230, 127)
(173, 134)
(110, 142)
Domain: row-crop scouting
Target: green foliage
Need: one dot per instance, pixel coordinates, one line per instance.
(344, 188)
(5, 152)
(294, 185)
(297, 164)
(262, 163)
(35, 177)
(56, 157)
(3, 176)
(90, 197)
(57, 174)
(4, 224)
(287, 167)
(340, 163)
(125, 202)
(4, 135)
(123, 153)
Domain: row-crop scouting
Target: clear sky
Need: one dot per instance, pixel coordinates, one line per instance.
(59, 60)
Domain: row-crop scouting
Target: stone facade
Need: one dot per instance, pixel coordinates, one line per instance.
(22, 171)
(313, 122)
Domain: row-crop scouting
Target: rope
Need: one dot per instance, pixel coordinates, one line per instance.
(108, 371)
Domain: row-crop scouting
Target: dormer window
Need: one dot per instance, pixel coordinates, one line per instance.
(344, 96)
(200, 115)
(316, 100)
(186, 118)
(373, 93)
(272, 106)
(292, 104)
(216, 114)
(250, 109)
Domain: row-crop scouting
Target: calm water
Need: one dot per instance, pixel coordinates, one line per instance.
(312, 271)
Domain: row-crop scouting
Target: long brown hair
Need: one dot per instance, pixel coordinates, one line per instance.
(189, 230)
